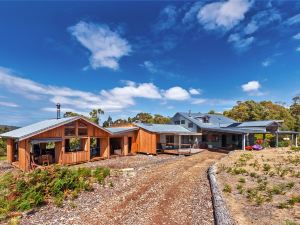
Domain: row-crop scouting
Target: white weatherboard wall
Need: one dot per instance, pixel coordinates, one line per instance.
(186, 124)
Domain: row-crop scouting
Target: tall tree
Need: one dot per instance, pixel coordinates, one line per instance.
(161, 119)
(143, 118)
(108, 122)
(95, 115)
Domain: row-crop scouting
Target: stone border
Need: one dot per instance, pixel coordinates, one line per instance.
(221, 213)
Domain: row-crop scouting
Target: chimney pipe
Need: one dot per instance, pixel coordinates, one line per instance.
(190, 113)
(57, 111)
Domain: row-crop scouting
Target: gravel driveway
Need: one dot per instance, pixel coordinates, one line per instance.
(173, 192)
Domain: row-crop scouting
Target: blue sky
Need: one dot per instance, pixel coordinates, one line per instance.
(157, 57)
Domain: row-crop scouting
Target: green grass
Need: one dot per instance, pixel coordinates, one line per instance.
(3, 157)
(55, 184)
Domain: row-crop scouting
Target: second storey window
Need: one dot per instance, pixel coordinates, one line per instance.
(177, 122)
(70, 129)
(191, 125)
(182, 121)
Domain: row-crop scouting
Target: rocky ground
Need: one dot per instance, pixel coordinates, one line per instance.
(270, 178)
(156, 190)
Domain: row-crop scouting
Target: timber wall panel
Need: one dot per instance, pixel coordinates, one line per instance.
(10, 149)
(146, 142)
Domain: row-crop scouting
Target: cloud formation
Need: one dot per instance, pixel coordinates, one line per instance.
(115, 99)
(239, 42)
(251, 86)
(107, 47)
(224, 15)
(9, 104)
(176, 93)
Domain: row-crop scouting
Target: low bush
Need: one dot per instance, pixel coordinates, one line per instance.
(294, 148)
(25, 191)
(227, 188)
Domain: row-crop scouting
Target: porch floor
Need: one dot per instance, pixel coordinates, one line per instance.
(183, 151)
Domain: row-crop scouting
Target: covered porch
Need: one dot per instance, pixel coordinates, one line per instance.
(178, 143)
(293, 140)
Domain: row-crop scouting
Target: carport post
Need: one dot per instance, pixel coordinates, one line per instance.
(296, 140)
(276, 139)
(244, 142)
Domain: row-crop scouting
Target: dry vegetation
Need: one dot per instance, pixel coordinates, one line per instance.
(262, 187)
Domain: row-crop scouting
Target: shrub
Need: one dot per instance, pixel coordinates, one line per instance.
(26, 191)
(294, 148)
(289, 222)
(227, 188)
(242, 180)
(282, 144)
(266, 168)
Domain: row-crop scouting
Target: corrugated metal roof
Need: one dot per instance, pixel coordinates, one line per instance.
(163, 128)
(236, 130)
(33, 129)
(115, 130)
(260, 123)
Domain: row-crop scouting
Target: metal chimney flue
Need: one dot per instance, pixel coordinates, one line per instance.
(57, 111)
(190, 113)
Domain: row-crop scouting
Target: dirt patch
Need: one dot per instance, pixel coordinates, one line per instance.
(168, 191)
(262, 187)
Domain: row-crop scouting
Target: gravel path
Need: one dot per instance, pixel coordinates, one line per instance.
(173, 192)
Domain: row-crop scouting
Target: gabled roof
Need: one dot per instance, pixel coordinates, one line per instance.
(215, 120)
(163, 128)
(118, 130)
(45, 125)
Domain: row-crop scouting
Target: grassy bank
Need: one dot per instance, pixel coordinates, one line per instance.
(25, 191)
(262, 186)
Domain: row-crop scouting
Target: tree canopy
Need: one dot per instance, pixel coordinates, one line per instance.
(94, 115)
(264, 110)
(140, 117)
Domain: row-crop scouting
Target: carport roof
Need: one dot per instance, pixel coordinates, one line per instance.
(117, 130)
(164, 128)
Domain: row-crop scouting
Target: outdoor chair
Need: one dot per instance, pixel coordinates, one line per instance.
(45, 160)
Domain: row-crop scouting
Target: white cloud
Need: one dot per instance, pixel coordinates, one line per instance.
(112, 100)
(267, 62)
(107, 47)
(149, 66)
(297, 36)
(251, 86)
(191, 14)
(224, 15)
(298, 49)
(194, 91)
(251, 28)
(176, 93)
(239, 42)
(293, 20)
(213, 102)
(9, 104)
(167, 19)
(262, 19)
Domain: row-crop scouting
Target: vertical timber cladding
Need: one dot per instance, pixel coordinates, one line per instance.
(10, 149)
(146, 141)
(24, 155)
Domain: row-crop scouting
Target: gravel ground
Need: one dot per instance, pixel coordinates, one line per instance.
(5, 166)
(157, 190)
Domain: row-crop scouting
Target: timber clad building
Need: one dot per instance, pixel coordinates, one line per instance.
(75, 139)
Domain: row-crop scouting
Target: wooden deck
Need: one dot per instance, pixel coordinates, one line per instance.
(183, 151)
